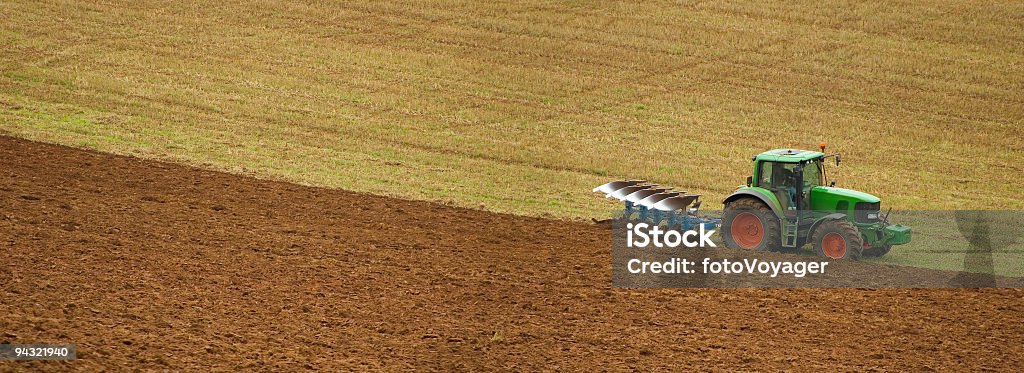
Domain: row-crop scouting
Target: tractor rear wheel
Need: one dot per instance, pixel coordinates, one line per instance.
(875, 252)
(838, 239)
(748, 224)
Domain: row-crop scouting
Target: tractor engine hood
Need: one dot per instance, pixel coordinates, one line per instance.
(848, 194)
(830, 198)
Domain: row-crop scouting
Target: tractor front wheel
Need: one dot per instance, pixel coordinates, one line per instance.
(748, 224)
(838, 239)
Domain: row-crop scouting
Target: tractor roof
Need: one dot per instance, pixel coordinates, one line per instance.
(788, 155)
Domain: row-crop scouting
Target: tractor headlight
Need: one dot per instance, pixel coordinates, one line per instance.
(873, 216)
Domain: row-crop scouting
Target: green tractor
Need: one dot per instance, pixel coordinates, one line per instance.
(787, 204)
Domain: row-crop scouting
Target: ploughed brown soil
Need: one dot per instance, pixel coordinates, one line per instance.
(159, 266)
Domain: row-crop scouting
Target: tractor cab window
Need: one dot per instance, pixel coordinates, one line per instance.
(812, 174)
(776, 175)
(782, 179)
(765, 179)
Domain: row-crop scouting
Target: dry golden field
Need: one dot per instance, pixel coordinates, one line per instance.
(524, 106)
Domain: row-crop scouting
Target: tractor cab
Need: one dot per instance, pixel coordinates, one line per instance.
(789, 175)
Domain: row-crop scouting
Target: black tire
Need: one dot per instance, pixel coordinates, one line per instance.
(876, 252)
(771, 236)
(852, 242)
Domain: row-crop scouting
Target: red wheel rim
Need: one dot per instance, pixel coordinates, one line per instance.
(833, 245)
(747, 230)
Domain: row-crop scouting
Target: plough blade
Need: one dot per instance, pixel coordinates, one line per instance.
(675, 203)
(616, 185)
(644, 193)
(622, 193)
(653, 199)
(658, 205)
